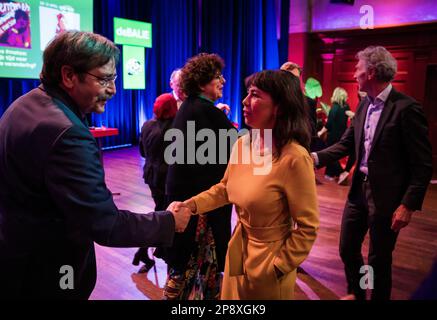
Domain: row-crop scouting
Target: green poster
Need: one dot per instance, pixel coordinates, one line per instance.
(132, 33)
(134, 76)
(27, 26)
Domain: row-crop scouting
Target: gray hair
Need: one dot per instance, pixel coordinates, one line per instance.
(174, 74)
(381, 60)
(83, 51)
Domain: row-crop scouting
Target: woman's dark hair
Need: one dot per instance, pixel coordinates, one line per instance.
(199, 71)
(292, 121)
(21, 14)
(83, 51)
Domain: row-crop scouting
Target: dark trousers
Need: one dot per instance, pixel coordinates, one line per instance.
(350, 162)
(334, 169)
(160, 205)
(159, 198)
(360, 216)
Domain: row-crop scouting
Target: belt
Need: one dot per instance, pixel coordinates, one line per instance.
(237, 246)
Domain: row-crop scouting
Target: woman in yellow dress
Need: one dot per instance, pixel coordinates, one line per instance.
(276, 204)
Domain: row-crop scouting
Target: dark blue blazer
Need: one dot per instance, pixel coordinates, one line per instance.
(54, 203)
(400, 159)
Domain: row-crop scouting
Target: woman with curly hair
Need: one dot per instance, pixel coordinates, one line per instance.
(196, 259)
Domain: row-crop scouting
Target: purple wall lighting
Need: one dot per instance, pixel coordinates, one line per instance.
(389, 13)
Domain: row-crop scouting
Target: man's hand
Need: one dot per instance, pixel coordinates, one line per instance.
(315, 159)
(322, 132)
(401, 218)
(224, 107)
(181, 214)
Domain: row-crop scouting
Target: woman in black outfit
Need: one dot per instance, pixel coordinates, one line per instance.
(155, 168)
(197, 257)
(336, 126)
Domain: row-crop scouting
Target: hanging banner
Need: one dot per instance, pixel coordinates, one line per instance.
(134, 76)
(132, 33)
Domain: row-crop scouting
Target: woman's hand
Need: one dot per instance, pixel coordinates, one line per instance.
(191, 204)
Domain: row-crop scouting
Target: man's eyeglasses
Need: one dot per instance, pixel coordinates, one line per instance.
(104, 82)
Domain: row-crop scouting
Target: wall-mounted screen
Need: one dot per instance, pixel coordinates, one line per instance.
(26, 27)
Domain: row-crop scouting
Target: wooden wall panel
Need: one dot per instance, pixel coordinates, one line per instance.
(331, 59)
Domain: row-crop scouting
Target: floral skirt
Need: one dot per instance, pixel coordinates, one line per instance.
(200, 280)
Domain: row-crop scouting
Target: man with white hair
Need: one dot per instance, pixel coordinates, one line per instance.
(389, 136)
(177, 92)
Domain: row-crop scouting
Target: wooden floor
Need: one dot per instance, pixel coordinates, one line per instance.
(322, 275)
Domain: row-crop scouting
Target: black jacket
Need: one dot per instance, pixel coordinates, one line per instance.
(185, 180)
(194, 178)
(337, 123)
(54, 203)
(152, 148)
(400, 160)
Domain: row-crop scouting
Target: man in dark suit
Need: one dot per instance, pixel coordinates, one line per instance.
(389, 136)
(54, 203)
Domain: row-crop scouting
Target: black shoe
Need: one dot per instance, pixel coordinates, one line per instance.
(141, 255)
(147, 266)
(136, 260)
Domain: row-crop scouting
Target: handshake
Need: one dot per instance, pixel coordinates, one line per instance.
(182, 212)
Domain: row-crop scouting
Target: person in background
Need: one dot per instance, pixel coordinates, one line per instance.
(311, 104)
(155, 168)
(335, 127)
(344, 176)
(310, 107)
(205, 240)
(180, 96)
(177, 91)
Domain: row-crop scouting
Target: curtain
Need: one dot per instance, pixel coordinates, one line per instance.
(173, 41)
(242, 32)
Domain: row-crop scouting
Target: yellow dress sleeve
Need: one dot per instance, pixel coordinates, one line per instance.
(213, 198)
(301, 195)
